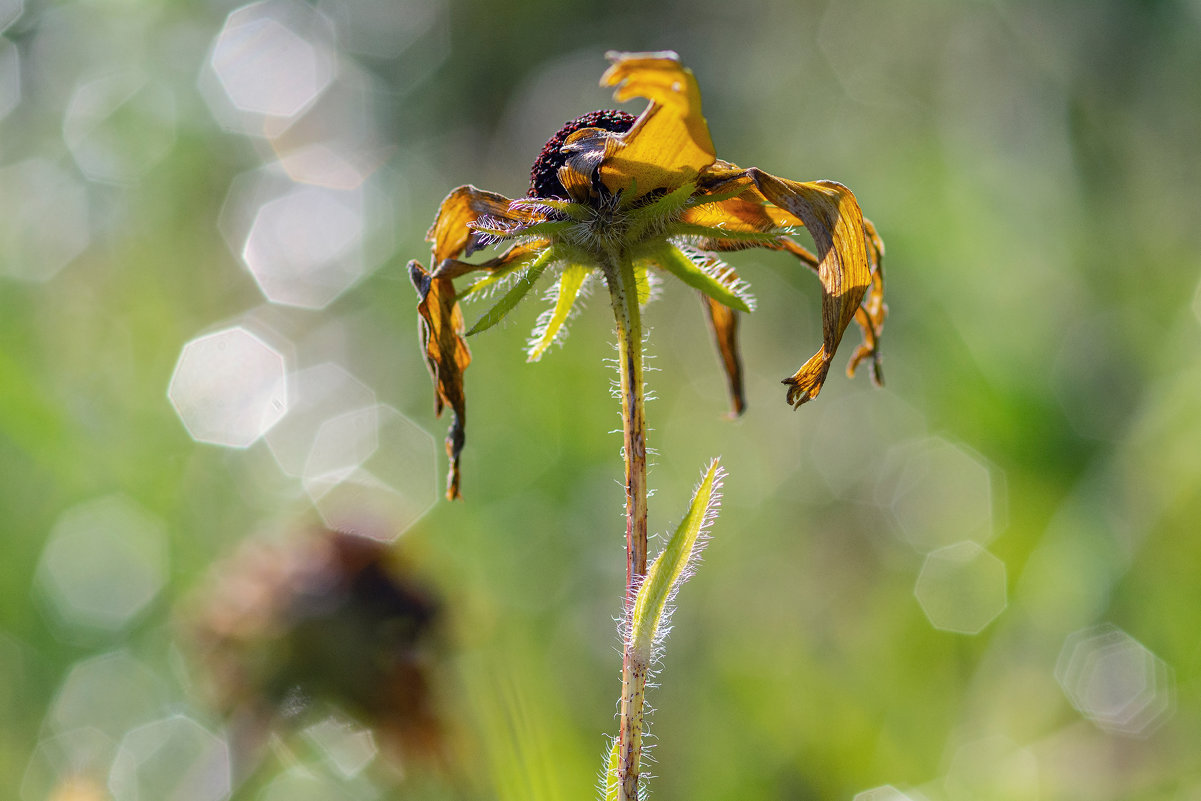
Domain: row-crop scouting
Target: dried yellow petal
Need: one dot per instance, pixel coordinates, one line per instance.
(669, 143)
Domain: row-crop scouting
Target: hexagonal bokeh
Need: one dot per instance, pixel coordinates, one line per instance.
(103, 563)
(315, 395)
(175, 758)
(72, 765)
(112, 693)
(883, 793)
(44, 220)
(845, 447)
(939, 494)
(961, 588)
(304, 248)
(342, 443)
(229, 388)
(10, 77)
(303, 245)
(1115, 681)
(269, 63)
(338, 142)
(378, 479)
(992, 767)
(347, 747)
(120, 125)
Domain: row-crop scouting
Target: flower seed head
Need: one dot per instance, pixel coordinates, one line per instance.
(544, 176)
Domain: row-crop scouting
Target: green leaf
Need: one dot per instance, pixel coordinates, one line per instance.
(576, 211)
(670, 567)
(730, 234)
(569, 288)
(495, 277)
(722, 288)
(539, 230)
(611, 781)
(518, 291)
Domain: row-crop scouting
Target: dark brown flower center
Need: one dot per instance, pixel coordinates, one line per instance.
(544, 176)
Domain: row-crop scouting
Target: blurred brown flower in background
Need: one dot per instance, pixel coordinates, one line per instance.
(321, 624)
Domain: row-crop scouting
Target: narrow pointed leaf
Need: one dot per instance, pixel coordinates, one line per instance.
(569, 288)
(641, 217)
(675, 262)
(493, 278)
(751, 238)
(671, 566)
(611, 783)
(518, 291)
(542, 205)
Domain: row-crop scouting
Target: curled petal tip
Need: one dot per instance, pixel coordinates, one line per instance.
(419, 277)
(807, 382)
(669, 143)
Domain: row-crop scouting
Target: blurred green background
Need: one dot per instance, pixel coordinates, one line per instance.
(980, 582)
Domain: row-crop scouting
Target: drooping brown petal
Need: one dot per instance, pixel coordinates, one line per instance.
(442, 338)
(454, 268)
(847, 252)
(446, 355)
(871, 314)
(832, 215)
(450, 233)
(723, 322)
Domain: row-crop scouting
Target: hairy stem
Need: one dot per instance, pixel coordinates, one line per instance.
(623, 294)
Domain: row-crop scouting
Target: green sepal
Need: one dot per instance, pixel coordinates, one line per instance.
(495, 277)
(642, 217)
(569, 288)
(539, 230)
(576, 211)
(671, 565)
(670, 258)
(712, 232)
(516, 292)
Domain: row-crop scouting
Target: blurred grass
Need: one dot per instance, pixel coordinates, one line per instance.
(1033, 171)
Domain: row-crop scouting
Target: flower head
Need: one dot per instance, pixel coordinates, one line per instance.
(610, 189)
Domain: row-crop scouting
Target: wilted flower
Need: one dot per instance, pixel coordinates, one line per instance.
(328, 622)
(611, 192)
